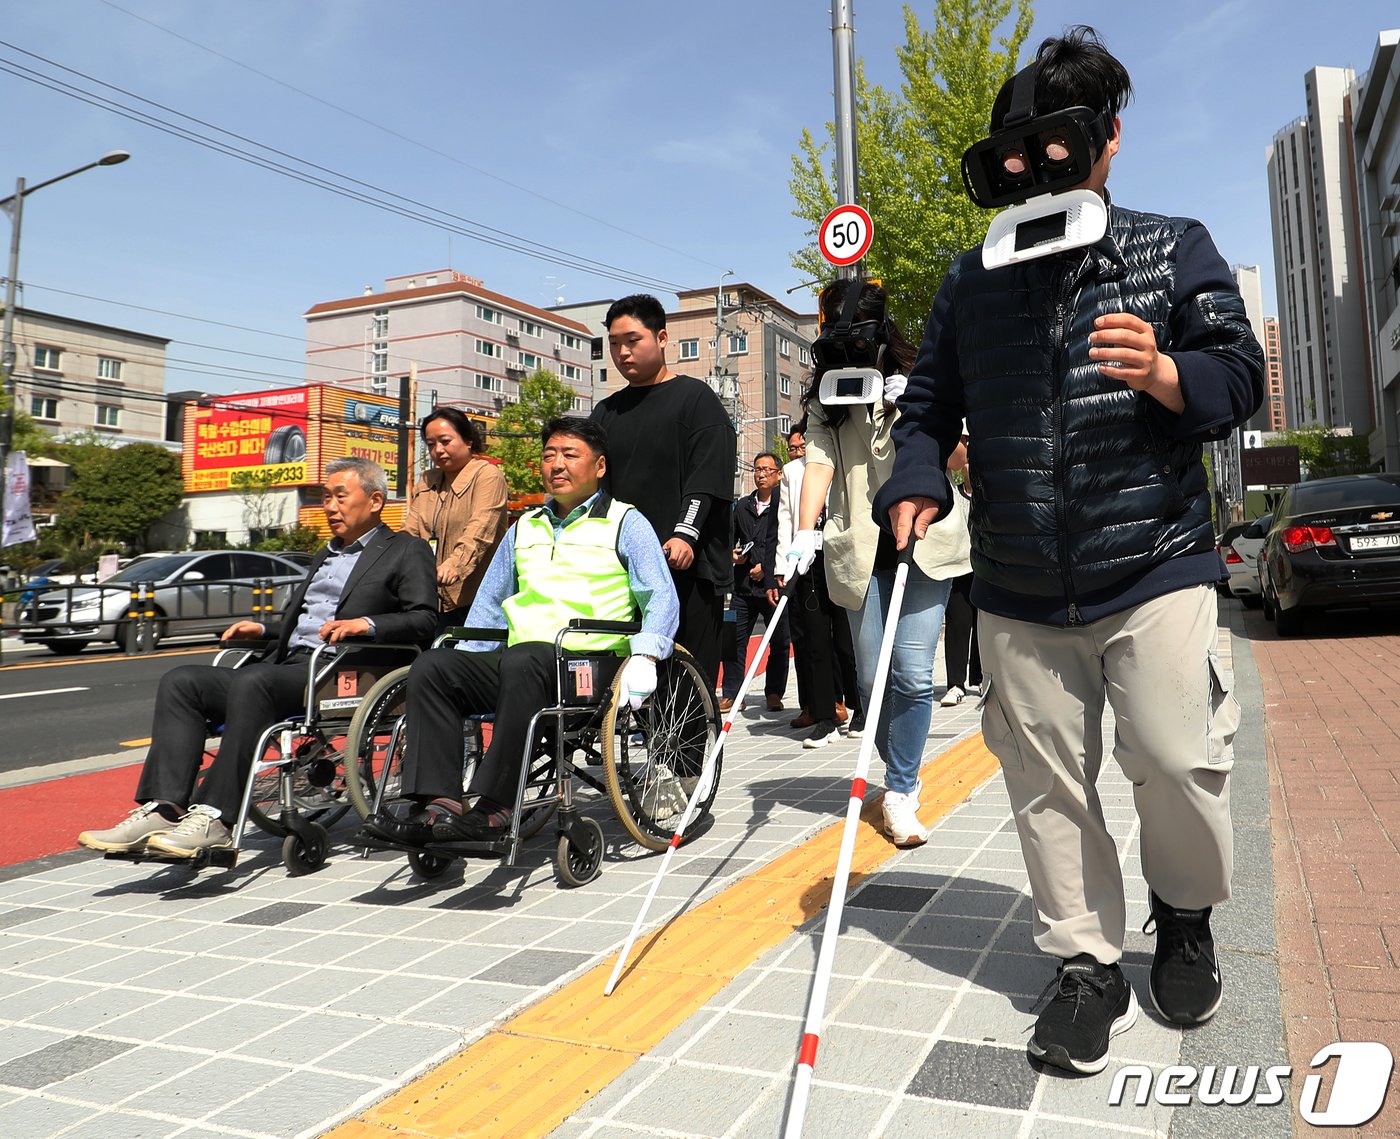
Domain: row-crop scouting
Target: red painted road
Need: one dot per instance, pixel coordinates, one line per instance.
(52, 813)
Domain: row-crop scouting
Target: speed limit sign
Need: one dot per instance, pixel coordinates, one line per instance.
(845, 235)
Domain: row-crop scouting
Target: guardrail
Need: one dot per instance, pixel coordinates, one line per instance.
(150, 610)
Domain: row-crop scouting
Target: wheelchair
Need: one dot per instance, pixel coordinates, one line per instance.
(647, 762)
(297, 788)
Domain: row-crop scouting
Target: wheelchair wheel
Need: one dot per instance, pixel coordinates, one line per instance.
(653, 757)
(577, 864)
(375, 742)
(318, 784)
(427, 865)
(301, 856)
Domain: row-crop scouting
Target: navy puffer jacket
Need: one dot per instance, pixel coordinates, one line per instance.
(1082, 487)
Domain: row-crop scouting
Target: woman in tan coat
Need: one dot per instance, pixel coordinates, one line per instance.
(849, 454)
(459, 508)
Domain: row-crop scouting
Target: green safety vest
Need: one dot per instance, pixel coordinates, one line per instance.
(577, 573)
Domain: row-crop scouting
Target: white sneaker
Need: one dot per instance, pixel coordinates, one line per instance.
(198, 831)
(953, 696)
(902, 817)
(822, 734)
(131, 834)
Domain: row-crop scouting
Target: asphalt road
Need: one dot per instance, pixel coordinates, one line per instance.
(54, 709)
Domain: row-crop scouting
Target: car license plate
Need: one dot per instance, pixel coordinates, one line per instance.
(1376, 542)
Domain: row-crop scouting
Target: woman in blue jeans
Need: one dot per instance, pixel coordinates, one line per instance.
(849, 454)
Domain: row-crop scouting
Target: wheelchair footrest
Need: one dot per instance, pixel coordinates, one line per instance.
(223, 857)
(468, 849)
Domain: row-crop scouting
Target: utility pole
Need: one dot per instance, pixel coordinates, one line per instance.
(843, 42)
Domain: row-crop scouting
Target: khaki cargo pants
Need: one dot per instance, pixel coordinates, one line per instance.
(1174, 720)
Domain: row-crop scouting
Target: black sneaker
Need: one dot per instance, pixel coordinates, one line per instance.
(821, 735)
(1087, 1005)
(1185, 979)
(855, 726)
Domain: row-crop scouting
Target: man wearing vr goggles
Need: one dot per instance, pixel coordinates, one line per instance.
(1090, 370)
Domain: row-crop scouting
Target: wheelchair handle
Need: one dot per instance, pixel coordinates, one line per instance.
(464, 633)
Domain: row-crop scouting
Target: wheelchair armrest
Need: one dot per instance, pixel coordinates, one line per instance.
(586, 624)
(235, 654)
(462, 633)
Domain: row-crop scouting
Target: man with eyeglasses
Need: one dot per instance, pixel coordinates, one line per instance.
(755, 536)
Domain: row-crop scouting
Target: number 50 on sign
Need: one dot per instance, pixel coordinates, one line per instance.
(845, 235)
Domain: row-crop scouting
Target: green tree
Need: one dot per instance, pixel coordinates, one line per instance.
(1322, 453)
(515, 436)
(910, 148)
(116, 493)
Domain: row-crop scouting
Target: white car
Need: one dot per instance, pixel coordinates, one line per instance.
(1242, 559)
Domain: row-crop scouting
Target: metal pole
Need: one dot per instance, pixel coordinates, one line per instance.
(843, 37)
(7, 336)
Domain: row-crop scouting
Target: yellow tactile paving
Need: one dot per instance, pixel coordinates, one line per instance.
(573, 1043)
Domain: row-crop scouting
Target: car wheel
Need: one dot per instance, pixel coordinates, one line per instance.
(1267, 601)
(65, 648)
(1289, 621)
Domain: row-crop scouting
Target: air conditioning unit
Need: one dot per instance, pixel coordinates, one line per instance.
(558, 350)
(513, 335)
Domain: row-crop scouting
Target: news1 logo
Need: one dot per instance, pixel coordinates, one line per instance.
(1360, 1080)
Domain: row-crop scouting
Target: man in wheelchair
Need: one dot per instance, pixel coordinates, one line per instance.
(582, 554)
(368, 582)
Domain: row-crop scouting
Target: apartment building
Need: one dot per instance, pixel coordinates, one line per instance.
(76, 375)
(465, 344)
(1317, 260)
(1376, 130)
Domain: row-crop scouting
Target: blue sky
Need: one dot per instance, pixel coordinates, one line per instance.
(654, 137)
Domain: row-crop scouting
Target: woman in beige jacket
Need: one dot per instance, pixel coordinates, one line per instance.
(850, 453)
(459, 508)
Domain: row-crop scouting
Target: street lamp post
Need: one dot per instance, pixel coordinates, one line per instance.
(14, 207)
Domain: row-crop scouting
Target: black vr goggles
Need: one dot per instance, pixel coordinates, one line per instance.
(1034, 154)
(848, 343)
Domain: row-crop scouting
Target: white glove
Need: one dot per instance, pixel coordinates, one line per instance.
(638, 680)
(894, 387)
(801, 553)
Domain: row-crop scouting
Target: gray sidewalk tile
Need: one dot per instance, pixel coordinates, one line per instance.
(35, 1118)
(979, 1074)
(54, 1062)
(392, 1051)
(750, 1041)
(296, 1102)
(34, 1002)
(301, 1038)
(216, 1084)
(533, 967)
(126, 1124)
(891, 1007)
(387, 995)
(692, 1099)
(128, 1077)
(229, 1029)
(19, 915)
(157, 1016)
(240, 981)
(95, 1011)
(919, 1119)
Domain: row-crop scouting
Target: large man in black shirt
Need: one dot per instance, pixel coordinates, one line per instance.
(671, 454)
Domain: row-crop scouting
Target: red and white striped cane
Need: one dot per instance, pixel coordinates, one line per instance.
(702, 788)
(831, 927)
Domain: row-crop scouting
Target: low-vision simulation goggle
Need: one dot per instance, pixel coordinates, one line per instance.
(1031, 165)
(847, 354)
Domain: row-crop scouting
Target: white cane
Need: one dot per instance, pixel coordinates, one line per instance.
(702, 788)
(831, 927)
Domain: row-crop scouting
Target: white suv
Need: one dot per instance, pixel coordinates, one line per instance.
(1242, 557)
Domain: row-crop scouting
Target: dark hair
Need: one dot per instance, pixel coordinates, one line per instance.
(899, 354)
(800, 427)
(468, 429)
(643, 306)
(767, 455)
(1073, 70)
(588, 431)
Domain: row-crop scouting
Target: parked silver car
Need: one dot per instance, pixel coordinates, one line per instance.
(1241, 558)
(197, 592)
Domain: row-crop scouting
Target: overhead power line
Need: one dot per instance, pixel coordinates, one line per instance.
(314, 174)
(406, 138)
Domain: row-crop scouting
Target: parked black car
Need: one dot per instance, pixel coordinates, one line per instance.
(1334, 543)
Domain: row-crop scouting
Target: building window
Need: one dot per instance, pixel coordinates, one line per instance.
(490, 315)
(568, 340)
(577, 405)
(571, 371)
(784, 348)
(380, 328)
(47, 358)
(108, 369)
(530, 328)
(739, 344)
(379, 385)
(43, 407)
(530, 360)
(488, 348)
(489, 383)
(803, 356)
(784, 385)
(108, 415)
(690, 349)
(379, 360)
(785, 425)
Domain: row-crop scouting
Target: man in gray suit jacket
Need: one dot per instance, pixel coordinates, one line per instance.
(369, 582)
